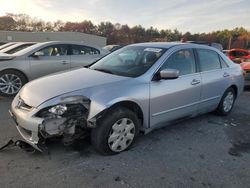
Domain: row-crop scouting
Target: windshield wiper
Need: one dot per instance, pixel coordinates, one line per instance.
(103, 70)
(88, 66)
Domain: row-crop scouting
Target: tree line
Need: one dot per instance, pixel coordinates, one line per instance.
(123, 34)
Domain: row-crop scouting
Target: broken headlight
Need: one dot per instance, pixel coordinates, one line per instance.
(68, 106)
(58, 109)
(76, 99)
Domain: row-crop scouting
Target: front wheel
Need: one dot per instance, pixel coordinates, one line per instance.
(227, 102)
(115, 132)
(11, 82)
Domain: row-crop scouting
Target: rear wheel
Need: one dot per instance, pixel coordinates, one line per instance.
(227, 102)
(115, 132)
(11, 82)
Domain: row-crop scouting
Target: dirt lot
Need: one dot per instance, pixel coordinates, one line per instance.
(207, 151)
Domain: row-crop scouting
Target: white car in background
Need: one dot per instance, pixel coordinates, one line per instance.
(16, 47)
(7, 45)
(42, 59)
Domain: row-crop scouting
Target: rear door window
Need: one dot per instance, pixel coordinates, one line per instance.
(83, 50)
(208, 59)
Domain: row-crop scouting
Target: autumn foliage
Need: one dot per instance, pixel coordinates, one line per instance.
(123, 34)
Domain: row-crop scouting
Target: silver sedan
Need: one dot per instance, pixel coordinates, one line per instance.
(140, 87)
(42, 59)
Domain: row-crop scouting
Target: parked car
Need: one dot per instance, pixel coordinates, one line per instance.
(7, 45)
(42, 59)
(17, 47)
(116, 97)
(112, 48)
(238, 55)
(246, 67)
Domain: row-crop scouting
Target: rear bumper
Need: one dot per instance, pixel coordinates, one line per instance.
(247, 82)
(247, 78)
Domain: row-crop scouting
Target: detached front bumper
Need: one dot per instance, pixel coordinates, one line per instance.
(27, 125)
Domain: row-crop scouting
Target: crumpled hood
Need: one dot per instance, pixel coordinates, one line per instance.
(40, 90)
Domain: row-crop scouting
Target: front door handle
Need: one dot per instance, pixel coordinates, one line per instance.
(195, 82)
(226, 74)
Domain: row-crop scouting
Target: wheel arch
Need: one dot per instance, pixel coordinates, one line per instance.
(235, 88)
(131, 105)
(17, 70)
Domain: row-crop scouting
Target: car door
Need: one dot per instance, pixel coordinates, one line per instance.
(51, 59)
(215, 78)
(81, 55)
(176, 98)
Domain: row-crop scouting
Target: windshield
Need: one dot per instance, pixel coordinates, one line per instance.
(131, 61)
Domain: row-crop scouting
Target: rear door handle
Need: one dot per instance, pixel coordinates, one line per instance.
(195, 82)
(65, 62)
(226, 74)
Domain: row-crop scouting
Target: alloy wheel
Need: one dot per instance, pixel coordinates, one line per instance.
(10, 84)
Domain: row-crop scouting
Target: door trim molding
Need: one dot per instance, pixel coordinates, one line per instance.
(185, 106)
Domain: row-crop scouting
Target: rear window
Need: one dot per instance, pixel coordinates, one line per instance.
(223, 63)
(209, 60)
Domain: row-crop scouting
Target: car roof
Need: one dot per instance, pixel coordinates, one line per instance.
(159, 44)
(41, 44)
(168, 45)
(67, 42)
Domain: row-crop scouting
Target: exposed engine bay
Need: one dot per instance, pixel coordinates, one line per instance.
(66, 120)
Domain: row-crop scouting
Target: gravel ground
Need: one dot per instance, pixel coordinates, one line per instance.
(206, 151)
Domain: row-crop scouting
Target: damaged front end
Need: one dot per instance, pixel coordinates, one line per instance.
(67, 119)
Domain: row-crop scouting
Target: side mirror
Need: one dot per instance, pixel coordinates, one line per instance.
(38, 54)
(169, 74)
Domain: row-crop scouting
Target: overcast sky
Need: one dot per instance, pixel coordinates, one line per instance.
(185, 15)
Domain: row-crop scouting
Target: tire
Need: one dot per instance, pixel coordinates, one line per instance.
(114, 131)
(228, 97)
(11, 82)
